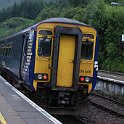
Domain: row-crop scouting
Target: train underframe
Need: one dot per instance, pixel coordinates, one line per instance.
(63, 101)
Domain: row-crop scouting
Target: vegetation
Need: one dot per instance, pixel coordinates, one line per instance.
(109, 22)
(107, 19)
(7, 3)
(14, 24)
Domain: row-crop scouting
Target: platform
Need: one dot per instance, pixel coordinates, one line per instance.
(110, 83)
(16, 108)
(111, 76)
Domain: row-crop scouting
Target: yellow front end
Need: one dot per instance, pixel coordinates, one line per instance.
(43, 59)
(65, 67)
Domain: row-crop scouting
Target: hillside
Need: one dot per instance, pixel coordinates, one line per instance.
(7, 3)
(14, 25)
(107, 19)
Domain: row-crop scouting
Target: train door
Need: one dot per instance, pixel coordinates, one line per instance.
(66, 56)
(66, 60)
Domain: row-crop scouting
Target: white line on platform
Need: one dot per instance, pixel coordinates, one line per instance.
(42, 111)
(110, 79)
(109, 75)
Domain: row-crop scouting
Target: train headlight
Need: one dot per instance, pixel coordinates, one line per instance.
(40, 76)
(87, 79)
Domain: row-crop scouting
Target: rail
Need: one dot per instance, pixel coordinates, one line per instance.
(108, 104)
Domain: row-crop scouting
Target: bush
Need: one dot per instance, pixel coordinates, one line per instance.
(109, 22)
(13, 25)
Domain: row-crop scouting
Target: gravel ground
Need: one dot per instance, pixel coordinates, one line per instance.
(108, 104)
(98, 116)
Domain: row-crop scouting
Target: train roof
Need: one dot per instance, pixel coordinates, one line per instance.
(61, 20)
(51, 20)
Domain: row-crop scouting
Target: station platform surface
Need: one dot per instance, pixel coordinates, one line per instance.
(16, 108)
(111, 76)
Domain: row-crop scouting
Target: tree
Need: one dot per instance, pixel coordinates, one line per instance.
(109, 23)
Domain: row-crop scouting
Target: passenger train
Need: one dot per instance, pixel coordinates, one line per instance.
(55, 59)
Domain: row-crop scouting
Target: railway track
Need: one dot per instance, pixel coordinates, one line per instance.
(83, 120)
(106, 104)
(113, 106)
(69, 119)
(105, 97)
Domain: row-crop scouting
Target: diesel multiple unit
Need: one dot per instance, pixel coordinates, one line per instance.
(56, 59)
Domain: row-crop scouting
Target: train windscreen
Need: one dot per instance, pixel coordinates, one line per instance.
(44, 47)
(87, 50)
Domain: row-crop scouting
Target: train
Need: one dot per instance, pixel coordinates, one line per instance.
(56, 59)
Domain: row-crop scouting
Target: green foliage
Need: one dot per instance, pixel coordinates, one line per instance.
(81, 3)
(27, 9)
(51, 12)
(95, 16)
(7, 3)
(73, 13)
(107, 19)
(113, 32)
(14, 25)
(47, 12)
(109, 22)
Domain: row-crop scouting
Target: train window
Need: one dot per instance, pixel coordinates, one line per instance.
(44, 46)
(87, 50)
(88, 35)
(45, 32)
(6, 49)
(1, 50)
(9, 52)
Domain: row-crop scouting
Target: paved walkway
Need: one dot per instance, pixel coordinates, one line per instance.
(15, 108)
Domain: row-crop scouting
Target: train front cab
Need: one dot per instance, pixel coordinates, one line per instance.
(64, 63)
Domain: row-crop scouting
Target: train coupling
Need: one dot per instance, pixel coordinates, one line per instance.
(63, 98)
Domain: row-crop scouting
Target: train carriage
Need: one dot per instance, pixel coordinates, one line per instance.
(56, 59)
